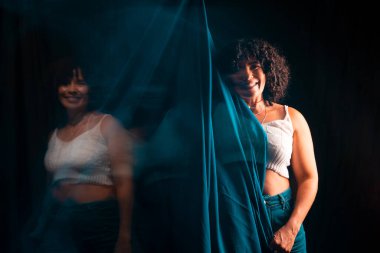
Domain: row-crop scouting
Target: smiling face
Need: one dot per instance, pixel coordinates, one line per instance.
(74, 94)
(249, 82)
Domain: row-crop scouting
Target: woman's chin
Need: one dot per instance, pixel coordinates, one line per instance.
(248, 94)
(73, 106)
(78, 104)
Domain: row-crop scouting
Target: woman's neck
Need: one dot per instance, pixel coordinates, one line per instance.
(75, 117)
(257, 105)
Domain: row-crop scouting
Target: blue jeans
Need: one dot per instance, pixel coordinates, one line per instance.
(279, 209)
(72, 227)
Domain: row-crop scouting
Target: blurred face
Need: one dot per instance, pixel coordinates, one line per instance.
(74, 94)
(249, 82)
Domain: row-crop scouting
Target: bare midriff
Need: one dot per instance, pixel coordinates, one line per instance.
(82, 193)
(274, 183)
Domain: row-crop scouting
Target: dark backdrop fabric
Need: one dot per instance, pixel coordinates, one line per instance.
(332, 50)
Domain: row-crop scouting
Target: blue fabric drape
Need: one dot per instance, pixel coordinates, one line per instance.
(200, 165)
(199, 178)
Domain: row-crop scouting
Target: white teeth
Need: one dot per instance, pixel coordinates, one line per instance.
(72, 99)
(76, 97)
(249, 85)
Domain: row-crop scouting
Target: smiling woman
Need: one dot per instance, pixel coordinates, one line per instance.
(73, 95)
(249, 82)
(75, 84)
(256, 71)
(89, 161)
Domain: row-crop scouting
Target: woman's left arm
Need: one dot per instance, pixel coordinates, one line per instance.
(306, 175)
(119, 145)
(304, 168)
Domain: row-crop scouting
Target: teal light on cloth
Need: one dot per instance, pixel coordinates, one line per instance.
(200, 174)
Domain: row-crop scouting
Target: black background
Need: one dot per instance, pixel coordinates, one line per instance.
(332, 50)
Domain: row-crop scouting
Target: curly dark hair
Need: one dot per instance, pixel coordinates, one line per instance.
(246, 51)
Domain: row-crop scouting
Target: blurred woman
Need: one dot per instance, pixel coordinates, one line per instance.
(90, 164)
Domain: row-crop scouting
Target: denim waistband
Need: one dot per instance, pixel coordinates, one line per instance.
(72, 204)
(278, 199)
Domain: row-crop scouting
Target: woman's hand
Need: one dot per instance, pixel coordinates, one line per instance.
(123, 244)
(283, 239)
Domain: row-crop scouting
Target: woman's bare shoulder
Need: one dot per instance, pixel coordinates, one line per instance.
(108, 122)
(298, 120)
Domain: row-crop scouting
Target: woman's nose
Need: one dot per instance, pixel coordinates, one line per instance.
(249, 74)
(250, 77)
(72, 87)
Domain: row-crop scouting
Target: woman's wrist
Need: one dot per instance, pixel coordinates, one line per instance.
(294, 225)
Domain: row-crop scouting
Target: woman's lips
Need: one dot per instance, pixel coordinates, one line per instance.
(72, 99)
(248, 86)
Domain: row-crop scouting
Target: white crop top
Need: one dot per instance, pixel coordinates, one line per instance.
(280, 144)
(84, 159)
